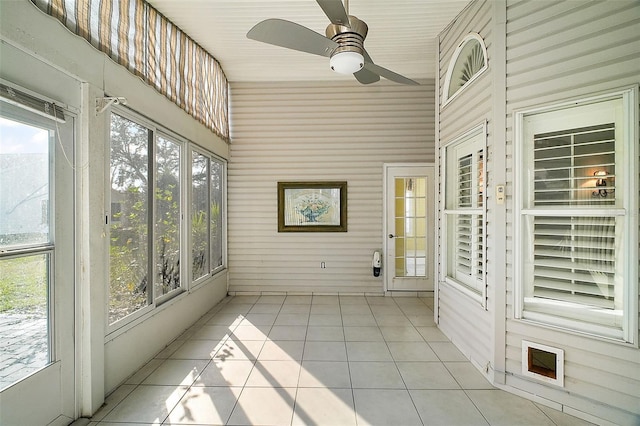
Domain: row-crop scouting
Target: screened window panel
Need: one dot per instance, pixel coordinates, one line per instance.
(199, 215)
(167, 217)
(129, 288)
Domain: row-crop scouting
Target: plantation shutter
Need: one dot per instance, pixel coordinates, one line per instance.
(574, 257)
(469, 229)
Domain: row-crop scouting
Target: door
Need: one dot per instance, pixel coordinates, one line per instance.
(37, 303)
(409, 227)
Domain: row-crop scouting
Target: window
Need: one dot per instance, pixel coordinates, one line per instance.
(36, 233)
(465, 211)
(577, 227)
(148, 213)
(207, 233)
(468, 61)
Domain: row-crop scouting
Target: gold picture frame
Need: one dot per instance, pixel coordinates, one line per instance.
(312, 206)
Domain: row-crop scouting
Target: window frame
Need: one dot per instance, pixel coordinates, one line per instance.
(627, 185)
(187, 284)
(193, 148)
(472, 136)
(446, 99)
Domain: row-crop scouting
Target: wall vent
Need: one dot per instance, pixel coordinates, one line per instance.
(543, 363)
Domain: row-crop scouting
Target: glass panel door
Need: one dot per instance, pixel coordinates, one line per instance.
(409, 251)
(37, 269)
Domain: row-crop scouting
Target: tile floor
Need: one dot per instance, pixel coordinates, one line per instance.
(316, 360)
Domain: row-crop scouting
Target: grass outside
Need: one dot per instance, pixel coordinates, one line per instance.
(23, 284)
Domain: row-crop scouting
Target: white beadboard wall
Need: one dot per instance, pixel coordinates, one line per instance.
(317, 131)
(558, 51)
(462, 319)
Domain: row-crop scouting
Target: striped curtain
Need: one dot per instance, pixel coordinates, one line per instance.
(138, 37)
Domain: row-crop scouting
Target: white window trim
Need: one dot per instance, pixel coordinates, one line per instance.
(631, 186)
(452, 63)
(481, 298)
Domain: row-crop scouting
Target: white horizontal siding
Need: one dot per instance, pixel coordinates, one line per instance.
(461, 318)
(310, 132)
(558, 51)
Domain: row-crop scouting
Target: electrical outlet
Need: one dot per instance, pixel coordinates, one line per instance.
(323, 265)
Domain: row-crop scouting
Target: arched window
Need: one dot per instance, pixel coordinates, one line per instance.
(468, 61)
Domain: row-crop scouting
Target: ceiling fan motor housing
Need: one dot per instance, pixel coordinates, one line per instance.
(349, 38)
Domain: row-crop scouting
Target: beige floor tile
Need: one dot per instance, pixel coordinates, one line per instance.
(330, 374)
(204, 406)
(213, 332)
(148, 404)
(295, 309)
(446, 407)
(251, 332)
(325, 309)
(325, 300)
(264, 406)
(432, 334)
(358, 320)
(321, 406)
(264, 308)
(375, 375)
(384, 407)
(271, 299)
(325, 351)
(467, 375)
(325, 320)
(176, 372)
(401, 334)
(355, 309)
(562, 419)
(197, 349)
(259, 318)
(282, 350)
(225, 373)
(411, 351)
(393, 320)
(447, 351)
(277, 374)
(368, 351)
(298, 300)
(426, 375)
(504, 409)
(292, 319)
(325, 333)
(288, 332)
(235, 349)
(363, 334)
(226, 319)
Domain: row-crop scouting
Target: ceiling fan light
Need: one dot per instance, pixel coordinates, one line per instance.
(346, 62)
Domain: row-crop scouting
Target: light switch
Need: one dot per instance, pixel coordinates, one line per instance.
(499, 194)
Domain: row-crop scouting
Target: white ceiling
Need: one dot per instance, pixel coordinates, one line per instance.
(401, 35)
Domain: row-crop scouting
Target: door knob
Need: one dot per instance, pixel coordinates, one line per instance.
(391, 236)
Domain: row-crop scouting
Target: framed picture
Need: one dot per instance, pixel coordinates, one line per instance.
(312, 206)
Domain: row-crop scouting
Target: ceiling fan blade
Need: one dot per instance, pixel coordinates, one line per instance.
(365, 76)
(389, 75)
(292, 36)
(334, 9)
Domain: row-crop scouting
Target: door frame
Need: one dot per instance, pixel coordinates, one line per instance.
(385, 232)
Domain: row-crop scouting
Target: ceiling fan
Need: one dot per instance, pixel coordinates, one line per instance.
(343, 44)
